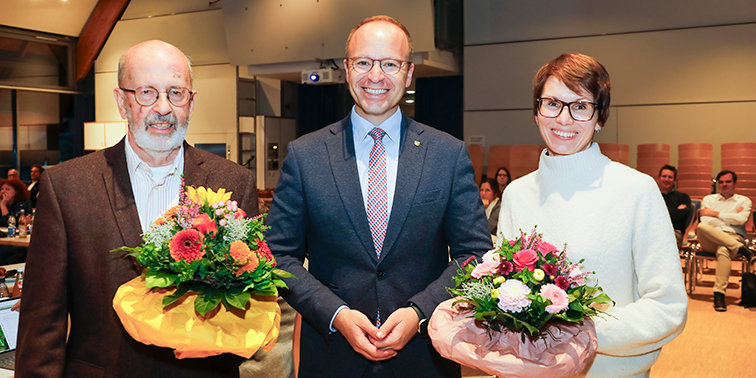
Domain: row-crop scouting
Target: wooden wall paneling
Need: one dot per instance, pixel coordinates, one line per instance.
(96, 32)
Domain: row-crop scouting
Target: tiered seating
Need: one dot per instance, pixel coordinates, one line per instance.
(617, 152)
(694, 165)
(651, 157)
(476, 155)
(498, 156)
(523, 159)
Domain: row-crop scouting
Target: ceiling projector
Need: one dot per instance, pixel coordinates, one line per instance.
(322, 76)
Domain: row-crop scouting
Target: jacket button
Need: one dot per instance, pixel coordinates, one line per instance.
(381, 274)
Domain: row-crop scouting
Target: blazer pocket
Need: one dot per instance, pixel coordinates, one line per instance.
(427, 197)
(81, 369)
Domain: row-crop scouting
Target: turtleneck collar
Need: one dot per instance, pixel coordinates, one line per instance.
(580, 169)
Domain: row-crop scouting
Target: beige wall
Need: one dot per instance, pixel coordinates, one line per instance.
(693, 84)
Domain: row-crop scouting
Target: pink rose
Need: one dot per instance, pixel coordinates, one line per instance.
(512, 242)
(205, 225)
(485, 269)
(545, 248)
(559, 299)
(525, 259)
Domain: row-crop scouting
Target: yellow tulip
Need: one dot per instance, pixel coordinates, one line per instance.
(207, 196)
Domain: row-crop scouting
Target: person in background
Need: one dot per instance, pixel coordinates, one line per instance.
(678, 203)
(503, 178)
(13, 174)
(377, 203)
(607, 213)
(722, 231)
(490, 195)
(35, 173)
(93, 204)
(13, 198)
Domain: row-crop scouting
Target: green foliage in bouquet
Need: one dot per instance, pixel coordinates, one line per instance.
(206, 244)
(525, 284)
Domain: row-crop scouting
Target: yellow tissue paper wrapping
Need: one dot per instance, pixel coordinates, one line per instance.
(181, 328)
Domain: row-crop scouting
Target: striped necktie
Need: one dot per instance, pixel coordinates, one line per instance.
(377, 205)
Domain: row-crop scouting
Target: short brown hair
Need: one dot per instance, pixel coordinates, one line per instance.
(580, 73)
(22, 193)
(388, 19)
(669, 168)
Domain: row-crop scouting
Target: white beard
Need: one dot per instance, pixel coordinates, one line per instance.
(158, 143)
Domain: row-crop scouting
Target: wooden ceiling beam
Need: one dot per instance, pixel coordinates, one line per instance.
(96, 32)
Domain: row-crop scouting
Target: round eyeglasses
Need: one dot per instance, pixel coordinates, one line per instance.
(389, 66)
(579, 111)
(147, 95)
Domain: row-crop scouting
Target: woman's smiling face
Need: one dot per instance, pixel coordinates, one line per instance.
(563, 135)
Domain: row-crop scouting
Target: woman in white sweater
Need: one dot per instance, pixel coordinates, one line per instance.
(609, 214)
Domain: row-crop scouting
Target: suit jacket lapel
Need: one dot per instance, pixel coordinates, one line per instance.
(409, 170)
(194, 172)
(341, 156)
(118, 187)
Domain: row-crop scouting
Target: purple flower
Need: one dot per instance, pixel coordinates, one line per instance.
(562, 283)
(505, 267)
(550, 269)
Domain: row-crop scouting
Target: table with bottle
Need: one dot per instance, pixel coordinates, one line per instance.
(18, 232)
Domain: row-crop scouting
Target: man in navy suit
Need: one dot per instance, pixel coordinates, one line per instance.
(377, 203)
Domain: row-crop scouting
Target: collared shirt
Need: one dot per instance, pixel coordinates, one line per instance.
(31, 185)
(729, 219)
(363, 143)
(156, 189)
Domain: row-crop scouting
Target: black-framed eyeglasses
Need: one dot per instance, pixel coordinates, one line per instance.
(389, 66)
(579, 110)
(147, 95)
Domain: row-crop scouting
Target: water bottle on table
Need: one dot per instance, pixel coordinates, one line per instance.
(11, 226)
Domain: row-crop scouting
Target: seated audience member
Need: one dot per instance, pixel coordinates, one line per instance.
(13, 174)
(678, 203)
(490, 194)
(13, 198)
(722, 230)
(35, 173)
(503, 178)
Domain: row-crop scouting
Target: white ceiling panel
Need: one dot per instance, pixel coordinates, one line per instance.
(65, 17)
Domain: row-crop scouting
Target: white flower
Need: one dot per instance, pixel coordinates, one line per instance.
(492, 256)
(512, 296)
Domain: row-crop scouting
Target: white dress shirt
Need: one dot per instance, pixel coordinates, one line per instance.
(156, 189)
(729, 219)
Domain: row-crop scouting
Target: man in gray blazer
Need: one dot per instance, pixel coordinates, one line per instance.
(94, 204)
(377, 203)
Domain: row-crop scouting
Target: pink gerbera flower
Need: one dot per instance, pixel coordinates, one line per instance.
(558, 297)
(484, 269)
(187, 245)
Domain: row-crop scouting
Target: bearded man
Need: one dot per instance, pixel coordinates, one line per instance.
(94, 204)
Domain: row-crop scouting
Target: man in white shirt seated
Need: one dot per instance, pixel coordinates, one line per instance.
(722, 230)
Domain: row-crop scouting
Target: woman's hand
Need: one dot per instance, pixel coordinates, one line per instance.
(486, 203)
(5, 198)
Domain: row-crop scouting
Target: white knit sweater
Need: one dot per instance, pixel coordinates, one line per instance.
(613, 217)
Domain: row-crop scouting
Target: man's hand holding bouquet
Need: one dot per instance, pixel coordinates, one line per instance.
(209, 284)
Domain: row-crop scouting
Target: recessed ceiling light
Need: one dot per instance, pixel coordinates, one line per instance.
(409, 101)
(410, 92)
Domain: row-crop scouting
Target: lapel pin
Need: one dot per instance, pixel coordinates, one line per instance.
(417, 143)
